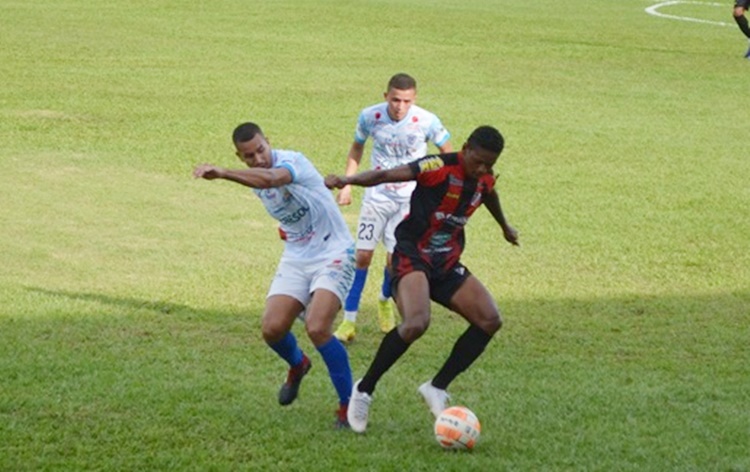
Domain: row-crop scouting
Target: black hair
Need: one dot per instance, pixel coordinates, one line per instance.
(488, 138)
(402, 81)
(245, 132)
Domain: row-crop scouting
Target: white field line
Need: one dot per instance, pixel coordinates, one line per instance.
(653, 10)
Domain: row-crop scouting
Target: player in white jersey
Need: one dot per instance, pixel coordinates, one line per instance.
(317, 266)
(400, 131)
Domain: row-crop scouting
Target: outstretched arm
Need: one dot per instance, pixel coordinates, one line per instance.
(371, 177)
(492, 202)
(255, 177)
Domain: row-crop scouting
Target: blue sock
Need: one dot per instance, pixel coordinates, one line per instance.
(288, 350)
(355, 293)
(386, 288)
(336, 359)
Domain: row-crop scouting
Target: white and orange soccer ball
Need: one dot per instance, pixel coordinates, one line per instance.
(457, 427)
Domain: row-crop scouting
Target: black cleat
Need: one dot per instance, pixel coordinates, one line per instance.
(290, 388)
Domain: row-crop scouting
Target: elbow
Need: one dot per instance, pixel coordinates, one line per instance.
(273, 179)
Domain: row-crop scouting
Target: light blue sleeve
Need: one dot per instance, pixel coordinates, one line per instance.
(303, 171)
(437, 132)
(287, 160)
(363, 129)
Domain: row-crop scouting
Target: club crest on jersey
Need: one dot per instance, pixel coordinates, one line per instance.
(429, 164)
(269, 193)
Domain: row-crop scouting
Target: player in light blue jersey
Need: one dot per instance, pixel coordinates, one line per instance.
(400, 131)
(316, 269)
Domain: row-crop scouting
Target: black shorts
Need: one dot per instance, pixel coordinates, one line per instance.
(742, 3)
(443, 283)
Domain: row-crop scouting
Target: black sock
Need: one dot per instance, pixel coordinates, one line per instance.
(391, 348)
(465, 351)
(742, 23)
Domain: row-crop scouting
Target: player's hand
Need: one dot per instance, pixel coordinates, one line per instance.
(334, 181)
(208, 172)
(345, 196)
(511, 235)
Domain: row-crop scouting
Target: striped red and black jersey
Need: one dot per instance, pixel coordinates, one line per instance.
(442, 202)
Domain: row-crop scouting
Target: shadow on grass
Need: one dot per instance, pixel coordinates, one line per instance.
(130, 305)
(736, 302)
(731, 303)
(568, 375)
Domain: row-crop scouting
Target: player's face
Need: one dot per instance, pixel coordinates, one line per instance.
(256, 152)
(399, 102)
(478, 161)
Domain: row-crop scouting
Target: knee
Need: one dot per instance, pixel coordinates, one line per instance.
(414, 326)
(738, 12)
(272, 332)
(363, 259)
(492, 323)
(317, 333)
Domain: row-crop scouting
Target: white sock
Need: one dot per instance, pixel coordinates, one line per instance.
(350, 316)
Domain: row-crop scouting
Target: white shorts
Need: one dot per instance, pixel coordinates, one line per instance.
(300, 278)
(377, 222)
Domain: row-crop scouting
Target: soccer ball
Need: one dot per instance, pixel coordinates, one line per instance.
(457, 427)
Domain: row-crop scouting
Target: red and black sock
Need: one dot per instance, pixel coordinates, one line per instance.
(742, 23)
(468, 347)
(391, 349)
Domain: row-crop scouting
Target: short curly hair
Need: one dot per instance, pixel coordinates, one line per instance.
(245, 132)
(487, 137)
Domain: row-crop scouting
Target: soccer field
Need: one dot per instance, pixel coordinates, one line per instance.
(131, 294)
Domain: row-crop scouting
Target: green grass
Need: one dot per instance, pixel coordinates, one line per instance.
(130, 294)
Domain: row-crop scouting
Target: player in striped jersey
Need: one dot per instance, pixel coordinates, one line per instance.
(426, 262)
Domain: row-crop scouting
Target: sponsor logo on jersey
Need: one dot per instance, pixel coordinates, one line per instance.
(295, 216)
(301, 237)
(451, 218)
(430, 164)
(439, 242)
